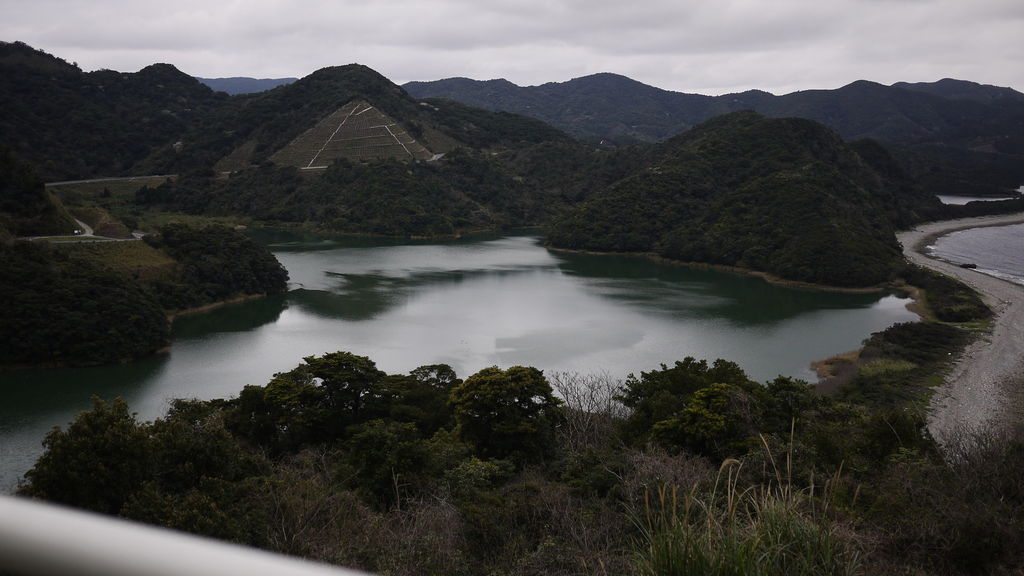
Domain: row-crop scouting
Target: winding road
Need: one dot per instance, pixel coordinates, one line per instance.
(983, 391)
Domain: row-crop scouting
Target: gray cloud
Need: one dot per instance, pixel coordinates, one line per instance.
(707, 46)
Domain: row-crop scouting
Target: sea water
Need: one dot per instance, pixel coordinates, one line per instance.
(996, 250)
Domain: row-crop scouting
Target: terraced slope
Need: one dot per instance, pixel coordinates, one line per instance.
(356, 131)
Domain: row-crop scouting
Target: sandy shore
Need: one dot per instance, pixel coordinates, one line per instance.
(983, 391)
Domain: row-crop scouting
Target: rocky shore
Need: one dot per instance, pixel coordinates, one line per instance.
(983, 391)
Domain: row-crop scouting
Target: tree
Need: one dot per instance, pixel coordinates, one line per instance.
(388, 460)
(97, 463)
(507, 413)
(661, 394)
(708, 409)
(716, 422)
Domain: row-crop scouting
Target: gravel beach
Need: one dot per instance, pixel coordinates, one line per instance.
(983, 390)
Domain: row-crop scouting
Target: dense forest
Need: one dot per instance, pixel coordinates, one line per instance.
(83, 302)
(786, 197)
(70, 124)
(956, 137)
(63, 310)
(25, 206)
(684, 469)
(99, 303)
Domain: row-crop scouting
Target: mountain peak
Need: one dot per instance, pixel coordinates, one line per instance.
(954, 89)
(21, 54)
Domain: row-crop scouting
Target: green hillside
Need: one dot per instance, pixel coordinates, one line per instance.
(294, 122)
(958, 137)
(71, 124)
(783, 196)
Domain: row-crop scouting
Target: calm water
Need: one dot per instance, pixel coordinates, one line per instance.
(469, 303)
(997, 250)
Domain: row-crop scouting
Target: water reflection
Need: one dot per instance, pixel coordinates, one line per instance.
(240, 317)
(37, 400)
(695, 293)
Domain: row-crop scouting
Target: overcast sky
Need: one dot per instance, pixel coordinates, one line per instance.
(699, 46)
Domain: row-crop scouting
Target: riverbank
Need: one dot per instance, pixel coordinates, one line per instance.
(738, 270)
(172, 316)
(983, 389)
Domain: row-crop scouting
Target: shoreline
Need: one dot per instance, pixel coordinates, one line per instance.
(738, 270)
(172, 316)
(981, 391)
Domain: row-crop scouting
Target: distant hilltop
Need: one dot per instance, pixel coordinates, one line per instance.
(244, 85)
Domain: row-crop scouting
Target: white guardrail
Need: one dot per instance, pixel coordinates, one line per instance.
(47, 540)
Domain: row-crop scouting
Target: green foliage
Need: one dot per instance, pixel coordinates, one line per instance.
(71, 124)
(780, 196)
(341, 462)
(215, 263)
(901, 361)
(330, 397)
(465, 191)
(766, 536)
(388, 459)
(102, 458)
(26, 208)
(708, 409)
(948, 299)
(62, 310)
(480, 129)
(716, 420)
(507, 413)
(97, 304)
(959, 141)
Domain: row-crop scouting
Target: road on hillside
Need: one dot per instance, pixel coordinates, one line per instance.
(87, 230)
(116, 179)
(984, 389)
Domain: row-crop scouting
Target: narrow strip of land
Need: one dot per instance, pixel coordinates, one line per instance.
(983, 390)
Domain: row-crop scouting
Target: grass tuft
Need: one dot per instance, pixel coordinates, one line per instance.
(769, 529)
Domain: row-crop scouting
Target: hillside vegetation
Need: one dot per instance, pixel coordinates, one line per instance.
(26, 208)
(75, 301)
(786, 197)
(69, 124)
(958, 137)
(685, 469)
(101, 303)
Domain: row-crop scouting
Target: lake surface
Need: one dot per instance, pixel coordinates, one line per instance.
(995, 250)
(471, 303)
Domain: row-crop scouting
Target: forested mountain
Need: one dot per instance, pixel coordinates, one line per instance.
(71, 124)
(784, 196)
(250, 129)
(963, 90)
(597, 107)
(958, 136)
(244, 85)
(346, 150)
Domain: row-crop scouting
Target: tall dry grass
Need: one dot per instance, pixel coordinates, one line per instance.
(766, 529)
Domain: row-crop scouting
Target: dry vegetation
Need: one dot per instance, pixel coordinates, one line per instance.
(356, 131)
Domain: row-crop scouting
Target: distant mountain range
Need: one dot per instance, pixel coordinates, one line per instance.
(950, 133)
(347, 150)
(244, 85)
(610, 106)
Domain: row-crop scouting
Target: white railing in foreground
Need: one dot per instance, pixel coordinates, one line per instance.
(47, 540)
